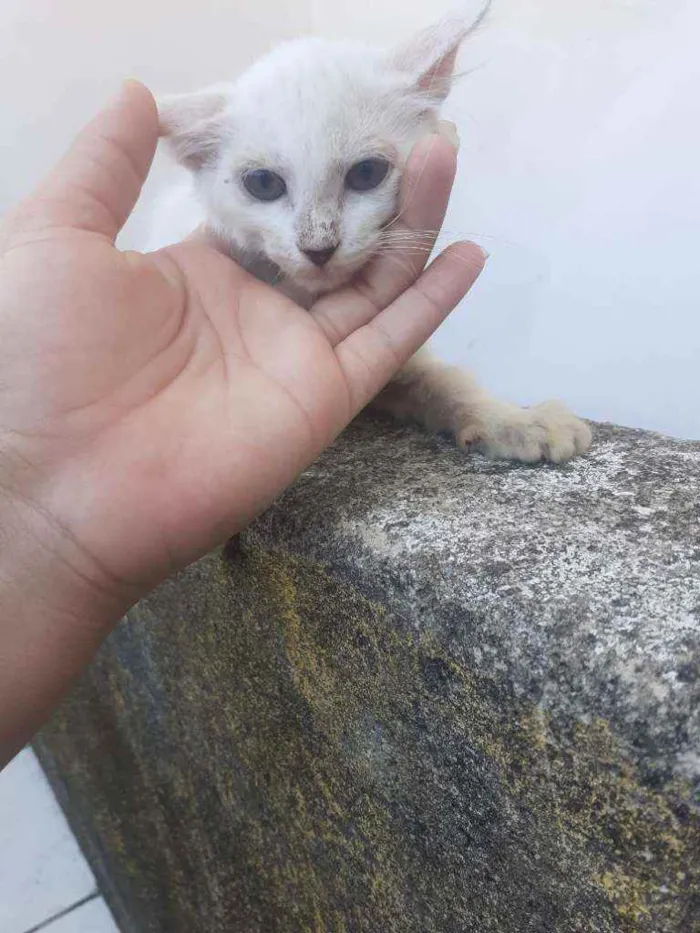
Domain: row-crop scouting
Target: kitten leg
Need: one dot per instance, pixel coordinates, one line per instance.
(445, 398)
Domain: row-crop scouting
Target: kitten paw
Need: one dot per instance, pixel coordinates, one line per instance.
(548, 431)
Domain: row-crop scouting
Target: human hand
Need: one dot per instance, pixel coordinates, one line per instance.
(152, 405)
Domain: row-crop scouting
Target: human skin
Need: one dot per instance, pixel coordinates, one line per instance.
(151, 405)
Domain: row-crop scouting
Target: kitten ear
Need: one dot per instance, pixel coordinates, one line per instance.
(429, 57)
(192, 125)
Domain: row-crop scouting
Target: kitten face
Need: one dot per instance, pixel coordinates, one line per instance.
(300, 160)
(310, 116)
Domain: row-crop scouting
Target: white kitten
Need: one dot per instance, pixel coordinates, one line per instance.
(296, 169)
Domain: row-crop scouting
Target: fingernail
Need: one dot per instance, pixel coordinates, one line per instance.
(484, 252)
(448, 131)
(127, 87)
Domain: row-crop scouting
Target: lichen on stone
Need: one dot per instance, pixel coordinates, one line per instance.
(335, 726)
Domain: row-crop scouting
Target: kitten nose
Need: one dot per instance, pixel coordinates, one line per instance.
(319, 257)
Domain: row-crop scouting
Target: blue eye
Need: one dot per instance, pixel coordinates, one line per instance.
(264, 184)
(366, 175)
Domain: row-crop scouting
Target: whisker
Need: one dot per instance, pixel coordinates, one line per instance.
(401, 233)
(405, 235)
(392, 254)
(405, 267)
(406, 238)
(407, 248)
(441, 232)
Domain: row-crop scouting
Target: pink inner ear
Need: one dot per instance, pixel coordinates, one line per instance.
(436, 80)
(430, 56)
(193, 126)
(196, 147)
(180, 112)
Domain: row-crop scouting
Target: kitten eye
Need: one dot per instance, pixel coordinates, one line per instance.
(264, 184)
(366, 175)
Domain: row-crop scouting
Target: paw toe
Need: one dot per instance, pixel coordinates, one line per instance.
(561, 448)
(567, 435)
(468, 435)
(544, 432)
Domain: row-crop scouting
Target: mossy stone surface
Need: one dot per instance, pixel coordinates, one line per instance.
(423, 694)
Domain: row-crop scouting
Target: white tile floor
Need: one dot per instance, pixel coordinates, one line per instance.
(45, 883)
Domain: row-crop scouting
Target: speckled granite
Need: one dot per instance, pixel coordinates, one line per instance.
(424, 694)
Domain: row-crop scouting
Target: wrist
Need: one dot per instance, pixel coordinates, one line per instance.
(54, 613)
(40, 559)
(37, 506)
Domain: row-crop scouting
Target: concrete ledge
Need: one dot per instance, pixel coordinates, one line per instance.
(423, 693)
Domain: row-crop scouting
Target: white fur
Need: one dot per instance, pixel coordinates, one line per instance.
(309, 111)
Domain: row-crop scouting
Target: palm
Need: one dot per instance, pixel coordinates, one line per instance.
(171, 394)
(177, 376)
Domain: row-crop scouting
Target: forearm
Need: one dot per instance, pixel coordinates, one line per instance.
(52, 620)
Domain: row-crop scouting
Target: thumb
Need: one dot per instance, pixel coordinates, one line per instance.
(97, 182)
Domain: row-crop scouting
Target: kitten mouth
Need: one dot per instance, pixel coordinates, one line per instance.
(321, 280)
(327, 278)
(318, 280)
(335, 273)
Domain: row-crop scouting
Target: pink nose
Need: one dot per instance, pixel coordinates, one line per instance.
(319, 257)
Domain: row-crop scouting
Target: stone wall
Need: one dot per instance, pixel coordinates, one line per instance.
(425, 693)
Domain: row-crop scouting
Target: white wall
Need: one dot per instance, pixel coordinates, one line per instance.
(581, 161)
(581, 140)
(60, 59)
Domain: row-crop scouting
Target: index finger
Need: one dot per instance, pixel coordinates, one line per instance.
(372, 354)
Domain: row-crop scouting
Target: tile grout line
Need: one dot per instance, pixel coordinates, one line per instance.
(63, 913)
